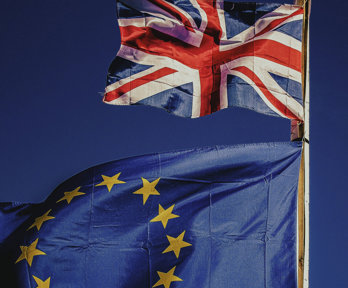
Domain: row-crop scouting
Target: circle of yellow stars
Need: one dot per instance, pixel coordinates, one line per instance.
(164, 215)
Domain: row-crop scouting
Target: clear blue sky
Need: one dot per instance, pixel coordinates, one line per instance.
(54, 57)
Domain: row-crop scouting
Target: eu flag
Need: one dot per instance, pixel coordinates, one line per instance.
(221, 216)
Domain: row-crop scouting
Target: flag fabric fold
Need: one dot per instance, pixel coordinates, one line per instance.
(195, 57)
(221, 216)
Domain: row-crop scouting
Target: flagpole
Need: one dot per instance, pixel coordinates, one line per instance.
(300, 131)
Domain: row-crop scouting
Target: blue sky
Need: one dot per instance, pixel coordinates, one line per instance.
(54, 58)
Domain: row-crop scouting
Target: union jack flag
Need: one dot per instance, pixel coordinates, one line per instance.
(195, 57)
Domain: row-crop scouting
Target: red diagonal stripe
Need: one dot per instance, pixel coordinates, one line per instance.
(174, 12)
(266, 49)
(271, 98)
(118, 92)
(277, 22)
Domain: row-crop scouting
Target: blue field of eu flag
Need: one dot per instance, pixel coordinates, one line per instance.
(213, 217)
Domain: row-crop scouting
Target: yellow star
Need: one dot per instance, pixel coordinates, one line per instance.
(68, 196)
(40, 220)
(42, 284)
(28, 252)
(166, 278)
(164, 215)
(148, 189)
(110, 181)
(176, 244)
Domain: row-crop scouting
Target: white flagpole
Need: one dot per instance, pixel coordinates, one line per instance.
(306, 160)
(301, 131)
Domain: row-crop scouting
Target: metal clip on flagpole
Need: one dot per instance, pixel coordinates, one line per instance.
(300, 131)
